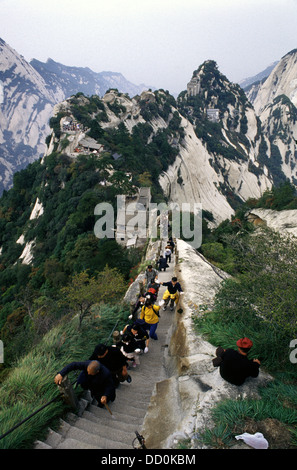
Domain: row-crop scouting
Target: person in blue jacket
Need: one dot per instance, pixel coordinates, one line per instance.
(94, 377)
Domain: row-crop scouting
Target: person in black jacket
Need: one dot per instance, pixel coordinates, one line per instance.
(130, 349)
(115, 361)
(235, 367)
(94, 377)
(140, 335)
(162, 263)
(172, 292)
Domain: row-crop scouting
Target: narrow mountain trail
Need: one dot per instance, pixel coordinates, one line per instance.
(96, 428)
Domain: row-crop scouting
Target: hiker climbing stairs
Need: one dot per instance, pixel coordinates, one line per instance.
(115, 428)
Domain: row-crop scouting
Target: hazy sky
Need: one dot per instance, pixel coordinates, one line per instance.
(156, 42)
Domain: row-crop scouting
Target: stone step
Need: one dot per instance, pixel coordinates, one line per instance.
(143, 379)
(107, 432)
(93, 427)
(130, 410)
(118, 416)
(74, 444)
(130, 400)
(108, 421)
(41, 445)
(143, 384)
(92, 441)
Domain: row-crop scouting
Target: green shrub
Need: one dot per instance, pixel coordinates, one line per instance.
(30, 385)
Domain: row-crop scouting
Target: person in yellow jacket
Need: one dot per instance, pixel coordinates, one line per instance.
(150, 315)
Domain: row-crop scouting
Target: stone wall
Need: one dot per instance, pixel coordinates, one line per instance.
(184, 401)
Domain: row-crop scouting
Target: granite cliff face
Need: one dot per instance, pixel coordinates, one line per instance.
(281, 81)
(218, 163)
(212, 128)
(26, 106)
(214, 160)
(275, 101)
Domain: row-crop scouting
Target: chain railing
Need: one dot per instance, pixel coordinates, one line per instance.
(72, 401)
(61, 395)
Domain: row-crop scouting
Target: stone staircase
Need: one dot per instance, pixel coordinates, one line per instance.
(95, 428)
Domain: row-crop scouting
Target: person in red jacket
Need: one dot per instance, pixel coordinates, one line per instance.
(235, 367)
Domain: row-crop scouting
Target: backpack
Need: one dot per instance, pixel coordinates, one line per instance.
(144, 307)
(152, 290)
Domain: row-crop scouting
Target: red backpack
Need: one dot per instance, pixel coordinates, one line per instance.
(152, 290)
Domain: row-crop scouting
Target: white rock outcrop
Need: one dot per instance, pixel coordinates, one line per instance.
(281, 81)
(284, 221)
(193, 179)
(195, 385)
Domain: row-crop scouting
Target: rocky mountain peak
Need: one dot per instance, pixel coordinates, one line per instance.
(28, 94)
(281, 81)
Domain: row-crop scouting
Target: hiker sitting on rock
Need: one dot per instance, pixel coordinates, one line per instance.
(234, 366)
(172, 292)
(94, 377)
(112, 358)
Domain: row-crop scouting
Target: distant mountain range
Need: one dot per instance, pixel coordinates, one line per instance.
(83, 79)
(247, 82)
(28, 93)
(242, 141)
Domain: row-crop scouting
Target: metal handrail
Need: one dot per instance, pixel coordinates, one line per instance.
(30, 416)
(49, 403)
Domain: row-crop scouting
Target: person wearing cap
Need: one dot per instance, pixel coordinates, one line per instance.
(150, 274)
(130, 349)
(115, 361)
(235, 367)
(94, 377)
(140, 335)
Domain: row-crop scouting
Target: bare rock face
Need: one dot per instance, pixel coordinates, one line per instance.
(281, 81)
(193, 178)
(194, 386)
(284, 221)
(26, 107)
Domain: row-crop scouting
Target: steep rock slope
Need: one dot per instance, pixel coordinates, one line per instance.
(83, 79)
(281, 81)
(219, 156)
(257, 79)
(275, 101)
(26, 106)
(200, 161)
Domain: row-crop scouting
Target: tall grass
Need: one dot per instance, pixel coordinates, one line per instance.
(278, 402)
(30, 384)
(222, 327)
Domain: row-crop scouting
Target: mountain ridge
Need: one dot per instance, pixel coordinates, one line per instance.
(244, 152)
(27, 100)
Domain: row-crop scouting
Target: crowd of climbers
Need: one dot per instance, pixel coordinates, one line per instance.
(108, 366)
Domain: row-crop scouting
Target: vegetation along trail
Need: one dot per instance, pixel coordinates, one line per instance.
(96, 428)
